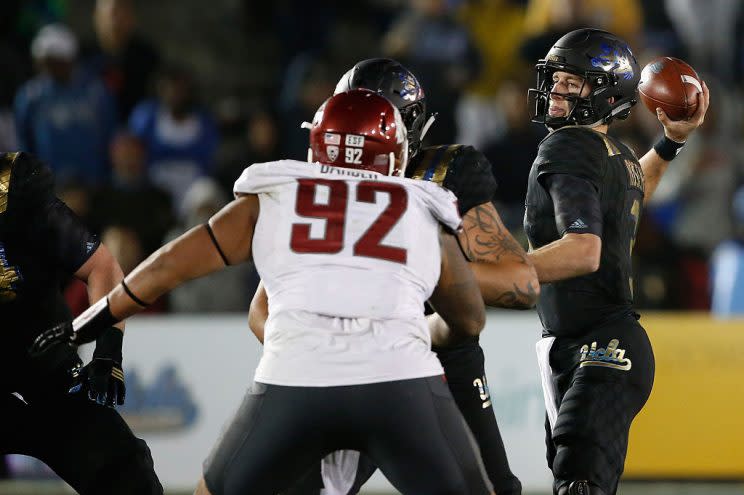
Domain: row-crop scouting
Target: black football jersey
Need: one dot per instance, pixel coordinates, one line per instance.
(42, 243)
(573, 306)
(461, 169)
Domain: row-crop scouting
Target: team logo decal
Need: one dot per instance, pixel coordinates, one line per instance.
(615, 59)
(611, 357)
(332, 152)
(410, 90)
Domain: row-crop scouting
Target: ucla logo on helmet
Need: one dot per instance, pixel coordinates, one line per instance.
(616, 59)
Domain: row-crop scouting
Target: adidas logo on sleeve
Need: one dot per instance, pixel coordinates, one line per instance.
(578, 225)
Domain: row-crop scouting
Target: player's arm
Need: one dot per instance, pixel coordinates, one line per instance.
(579, 249)
(259, 312)
(677, 131)
(456, 298)
(506, 276)
(226, 239)
(101, 273)
(68, 245)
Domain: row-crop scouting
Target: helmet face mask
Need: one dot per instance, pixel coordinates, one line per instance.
(606, 65)
(362, 130)
(390, 79)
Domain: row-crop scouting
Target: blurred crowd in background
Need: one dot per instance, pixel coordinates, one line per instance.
(148, 111)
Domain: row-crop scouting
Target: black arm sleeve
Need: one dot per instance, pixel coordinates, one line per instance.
(61, 236)
(576, 204)
(471, 179)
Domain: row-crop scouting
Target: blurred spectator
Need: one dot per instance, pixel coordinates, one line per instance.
(497, 28)
(548, 20)
(120, 57)
(227, 290)
(709, 32)
(64, 117)
(258, 143)
(125, 246)
(429, 41)
(657, 277)
(309, 83)
(699, 185)
(511, 155)
(130, 199)
(180, 136)
(727, 267)
(658, 31)
(77, 196)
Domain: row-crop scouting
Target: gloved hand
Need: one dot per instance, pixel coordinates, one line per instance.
(87, 327)
(103, 378)
(50, 339)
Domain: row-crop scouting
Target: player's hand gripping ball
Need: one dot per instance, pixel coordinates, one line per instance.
(672, 85)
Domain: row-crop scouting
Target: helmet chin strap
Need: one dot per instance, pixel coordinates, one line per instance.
(428, 124)
(309, 155)
(392, 163)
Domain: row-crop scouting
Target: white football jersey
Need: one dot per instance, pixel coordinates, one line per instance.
(348, 258)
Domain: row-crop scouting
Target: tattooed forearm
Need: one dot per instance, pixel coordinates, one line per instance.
(485, 238)
(505, 274)
(517, 298)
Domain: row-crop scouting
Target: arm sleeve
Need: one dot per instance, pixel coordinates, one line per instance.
(471, 179)
(576, 204)
(62, 237)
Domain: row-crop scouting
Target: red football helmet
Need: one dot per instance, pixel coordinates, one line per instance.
(359, 129)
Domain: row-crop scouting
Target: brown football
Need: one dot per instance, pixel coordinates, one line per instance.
(672, 85)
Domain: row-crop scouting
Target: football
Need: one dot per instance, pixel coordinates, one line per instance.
(672, 85)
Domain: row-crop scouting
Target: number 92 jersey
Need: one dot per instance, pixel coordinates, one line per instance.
(571, 306)
(346, 242)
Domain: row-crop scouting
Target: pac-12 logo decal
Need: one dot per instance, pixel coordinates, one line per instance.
(332, 152)
(610, 357)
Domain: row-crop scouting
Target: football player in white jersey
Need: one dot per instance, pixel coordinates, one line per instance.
(344, 248)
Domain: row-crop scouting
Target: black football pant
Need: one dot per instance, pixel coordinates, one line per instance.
(465, 371)
(411, 429)
(86, 444)
(464, 367)
(600, 385)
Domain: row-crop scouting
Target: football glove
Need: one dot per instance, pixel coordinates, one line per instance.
(102, 380)
(85, 328)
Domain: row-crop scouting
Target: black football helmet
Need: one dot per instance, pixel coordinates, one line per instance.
(396, 83)
(605, 62)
